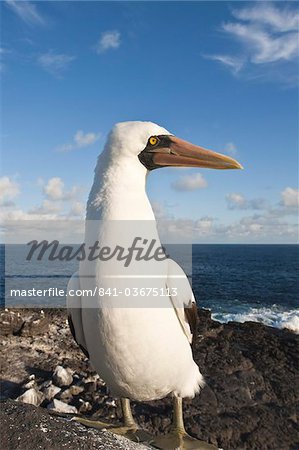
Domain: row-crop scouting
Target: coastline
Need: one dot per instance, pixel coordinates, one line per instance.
(249, 401)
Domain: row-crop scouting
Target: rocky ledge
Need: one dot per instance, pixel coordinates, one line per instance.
(27, 427)
(249, 401)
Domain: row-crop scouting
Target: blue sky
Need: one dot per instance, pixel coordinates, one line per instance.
(223, 75)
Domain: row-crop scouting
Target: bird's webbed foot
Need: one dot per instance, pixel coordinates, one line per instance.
(178, 439)
(130, 430)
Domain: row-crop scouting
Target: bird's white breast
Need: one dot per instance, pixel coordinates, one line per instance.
(135, 343)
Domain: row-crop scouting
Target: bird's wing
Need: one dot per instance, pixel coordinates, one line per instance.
(74, 308)
(184, 302)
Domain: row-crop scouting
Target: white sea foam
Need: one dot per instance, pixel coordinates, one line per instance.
(274, 317)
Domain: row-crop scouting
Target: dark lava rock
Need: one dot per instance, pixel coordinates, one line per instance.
(35, 324)
(10, 323)
(252, 388)
(25, 427)
(249, 402)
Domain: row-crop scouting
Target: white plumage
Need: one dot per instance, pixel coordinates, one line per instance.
(142, 353)
(140, 345)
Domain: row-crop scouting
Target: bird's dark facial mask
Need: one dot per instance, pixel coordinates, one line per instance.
(155, 144)
(168, 150)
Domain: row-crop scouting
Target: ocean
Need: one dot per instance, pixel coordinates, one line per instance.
(236, 282)
(248, 282)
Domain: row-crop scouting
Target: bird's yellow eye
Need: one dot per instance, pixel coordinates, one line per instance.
(153, 140)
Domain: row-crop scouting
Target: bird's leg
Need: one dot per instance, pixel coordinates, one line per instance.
(178, 438)
(129, 428)
(178, 419)
(128, 418)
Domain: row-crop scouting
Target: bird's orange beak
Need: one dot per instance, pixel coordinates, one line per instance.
(181, 153)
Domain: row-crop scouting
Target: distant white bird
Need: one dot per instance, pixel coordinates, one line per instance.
(140, 346)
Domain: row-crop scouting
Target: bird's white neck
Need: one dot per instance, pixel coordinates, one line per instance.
(118, 191)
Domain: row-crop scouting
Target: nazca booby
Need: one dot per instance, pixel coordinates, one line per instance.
(141, 349)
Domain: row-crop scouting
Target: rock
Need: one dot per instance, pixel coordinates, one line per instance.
(9, 389)
(35, 325)
(62, 376)
(31, 396)
(62, 407)
(93, 378)
(91, 386)
(76, 389)
(50, 391)
(45, 384)
(66, 395)
(24, 427)
(85, 406)
(73, 390)
(249, 401)
(30, 384)
(10, 322)
(111, 402)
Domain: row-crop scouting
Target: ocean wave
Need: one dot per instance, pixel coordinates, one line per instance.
(273, 317)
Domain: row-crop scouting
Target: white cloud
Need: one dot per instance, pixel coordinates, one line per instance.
(83, 140)
(57, 204)
(238, 201)
(190, 183)
(47, 207)
(80, 140)
(204, 225)
(54, 190)
(268, 34)
(77, 209)
(290, 197)
(108, 40)
(54, 63)
(14, 215)
(281, 20)
(26, 11)
(262, 227)
(235, 201)
(56, 209)
(162, 210)
(232, 62)
(40, 214)
(231, 148)
(267, 225)
(262, 46)
(9, 189)
(257, 228)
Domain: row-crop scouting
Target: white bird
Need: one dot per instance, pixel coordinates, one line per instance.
(140, 346)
